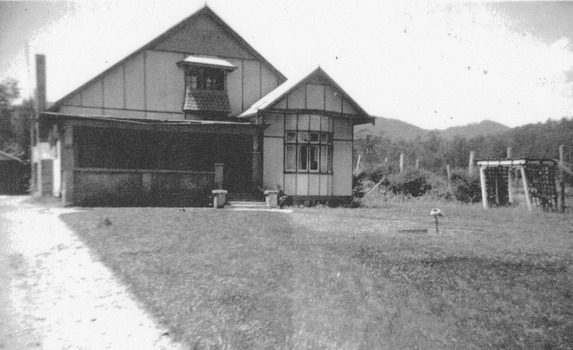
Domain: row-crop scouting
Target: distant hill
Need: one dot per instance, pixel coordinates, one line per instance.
(397, 129)
(483, 128)
(394, 128)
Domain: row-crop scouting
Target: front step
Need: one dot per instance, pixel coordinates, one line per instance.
(246, 205)
(245, 197)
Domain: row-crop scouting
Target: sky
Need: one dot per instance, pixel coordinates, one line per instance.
(431, 64)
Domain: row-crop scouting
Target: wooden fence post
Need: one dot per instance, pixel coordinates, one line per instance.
(525, 187)
(471, 163)
(483, 187)
(509, 181)
(401, 162)
(449, 173)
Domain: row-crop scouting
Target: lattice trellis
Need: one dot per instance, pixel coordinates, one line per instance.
(538, 175)
(541, 184)
(497, 186)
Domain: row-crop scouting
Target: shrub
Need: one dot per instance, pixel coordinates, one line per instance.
(466, 187)
(360, 186)
(417, 182)
(381, 171)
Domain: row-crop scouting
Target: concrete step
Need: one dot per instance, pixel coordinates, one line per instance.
(246, 204)
(245, 197)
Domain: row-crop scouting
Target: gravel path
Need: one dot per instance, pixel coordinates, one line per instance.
(55, 294)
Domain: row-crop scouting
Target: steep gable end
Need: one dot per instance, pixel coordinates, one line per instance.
(316, 92)
(124, 86)
(202, 36)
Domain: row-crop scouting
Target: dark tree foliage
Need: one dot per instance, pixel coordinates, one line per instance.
(8, 93)
(466, 187)
(21, 124)
(15, 120)
(413, 182)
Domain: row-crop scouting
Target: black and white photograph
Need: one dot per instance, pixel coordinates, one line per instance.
(286, 174)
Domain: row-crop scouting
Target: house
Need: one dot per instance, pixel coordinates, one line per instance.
(197, 109)
(13, 174)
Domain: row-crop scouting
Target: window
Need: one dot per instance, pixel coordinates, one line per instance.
(314, 137)
(290, 158)
(302, 158)
(308, 151)
(291, 136)
(204, 78)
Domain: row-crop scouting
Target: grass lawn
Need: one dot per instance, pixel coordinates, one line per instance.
(345, 278)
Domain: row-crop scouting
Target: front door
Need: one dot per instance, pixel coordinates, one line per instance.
(236, 156)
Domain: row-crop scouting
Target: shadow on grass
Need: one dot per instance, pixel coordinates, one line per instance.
(223, 276)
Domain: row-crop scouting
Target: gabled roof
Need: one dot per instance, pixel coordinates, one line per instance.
(4, 155)
(205, 11)
(274, 97)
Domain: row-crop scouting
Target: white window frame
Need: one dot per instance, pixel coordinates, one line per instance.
(316, 146)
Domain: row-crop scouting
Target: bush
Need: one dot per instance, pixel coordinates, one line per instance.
(417, 182)
(466, 187)
(382, 171)
(361, 186)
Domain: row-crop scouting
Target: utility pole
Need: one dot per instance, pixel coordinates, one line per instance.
(40, 107)
(562, 177)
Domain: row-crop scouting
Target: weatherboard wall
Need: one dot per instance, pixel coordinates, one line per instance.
(114, 94)
(152, 83)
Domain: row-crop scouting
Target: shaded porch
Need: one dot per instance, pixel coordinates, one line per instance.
(118, 162)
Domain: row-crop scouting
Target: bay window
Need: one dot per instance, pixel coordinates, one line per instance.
(204, 78)
(307, 150)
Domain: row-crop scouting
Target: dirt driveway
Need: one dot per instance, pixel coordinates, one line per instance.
(55, 294)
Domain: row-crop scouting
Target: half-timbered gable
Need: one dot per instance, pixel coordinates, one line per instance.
(153, 82)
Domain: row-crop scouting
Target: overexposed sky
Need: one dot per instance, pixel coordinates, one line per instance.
(434, 65)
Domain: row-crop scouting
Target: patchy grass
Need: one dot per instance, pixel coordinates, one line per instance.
(345, 278)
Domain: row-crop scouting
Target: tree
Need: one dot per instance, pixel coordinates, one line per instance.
(8, 93)
(21, 124)
(433, 154)
(15, 120)
(457, 152)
